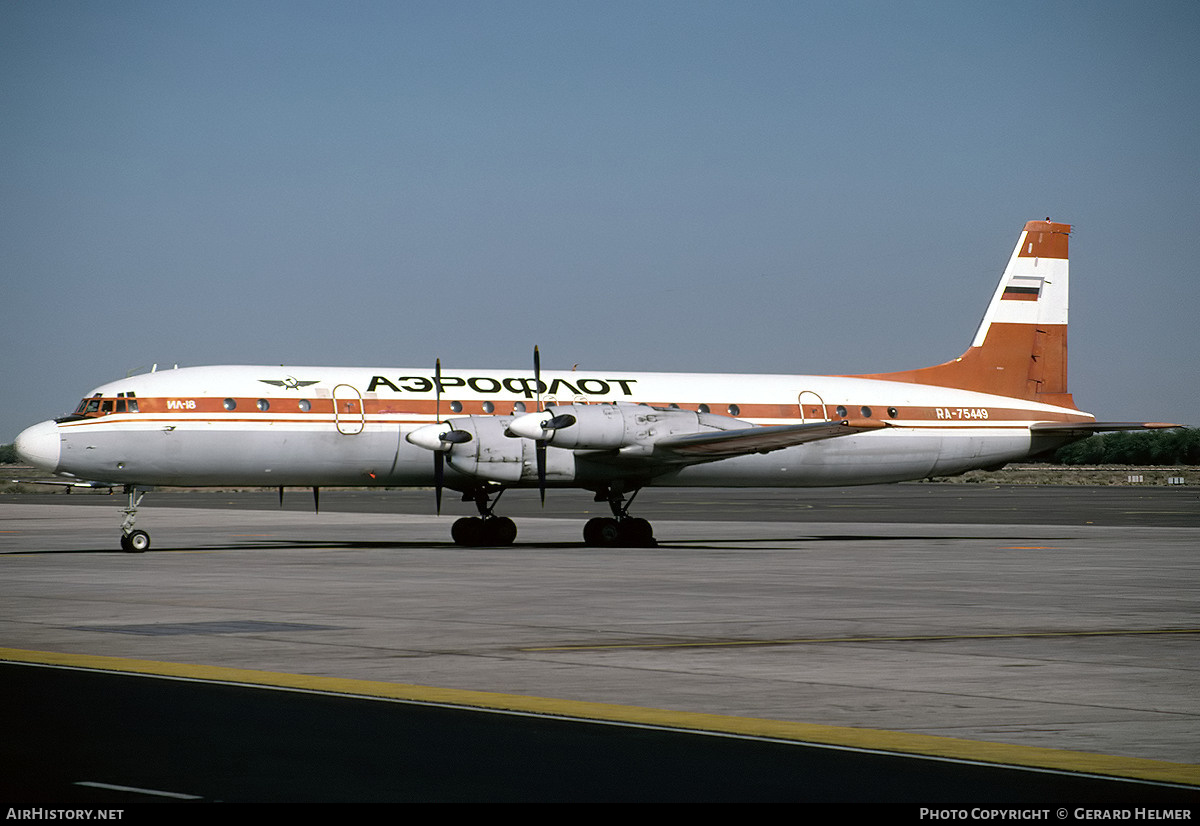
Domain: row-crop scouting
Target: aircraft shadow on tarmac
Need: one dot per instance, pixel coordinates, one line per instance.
(673, 544)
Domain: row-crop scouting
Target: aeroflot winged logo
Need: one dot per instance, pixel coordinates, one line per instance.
(291, 382)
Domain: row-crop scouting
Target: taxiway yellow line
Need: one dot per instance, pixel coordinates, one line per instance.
(856, 738)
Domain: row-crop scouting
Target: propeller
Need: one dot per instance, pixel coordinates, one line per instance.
(539, 444)
(541, 438)
(436, 438)
(439, 457)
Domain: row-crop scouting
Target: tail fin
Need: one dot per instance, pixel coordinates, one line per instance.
(1020, 349)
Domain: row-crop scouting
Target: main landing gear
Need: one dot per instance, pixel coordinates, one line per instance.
(132, 541)
(487, 528)
(620, 529)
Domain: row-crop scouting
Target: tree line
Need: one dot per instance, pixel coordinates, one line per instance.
(1178, 446)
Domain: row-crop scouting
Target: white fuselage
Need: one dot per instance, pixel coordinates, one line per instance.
(319, 426)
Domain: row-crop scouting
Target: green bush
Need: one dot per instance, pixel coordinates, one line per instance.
(1179, 446)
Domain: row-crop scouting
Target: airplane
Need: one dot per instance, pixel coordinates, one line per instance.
(611, 433)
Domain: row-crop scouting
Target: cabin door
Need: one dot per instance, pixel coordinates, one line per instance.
(812, 408)
(348, 412)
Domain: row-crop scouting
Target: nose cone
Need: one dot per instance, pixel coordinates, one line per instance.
(39, 446)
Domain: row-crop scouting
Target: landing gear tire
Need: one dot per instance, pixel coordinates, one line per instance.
(135, 542)
(467, 531)
(474, 531)
(591, 531)
(632, 532)
(636, 532)
(499, 531)
(602, 530)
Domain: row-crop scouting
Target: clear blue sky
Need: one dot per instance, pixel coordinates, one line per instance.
(732, 186)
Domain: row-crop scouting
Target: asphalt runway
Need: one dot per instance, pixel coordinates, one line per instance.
(903, 503)
(1053, 628)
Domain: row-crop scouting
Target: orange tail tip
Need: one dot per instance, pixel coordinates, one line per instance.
(1020, 349)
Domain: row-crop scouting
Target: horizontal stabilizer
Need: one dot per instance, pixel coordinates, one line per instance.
(1088, 428)
(742, 441)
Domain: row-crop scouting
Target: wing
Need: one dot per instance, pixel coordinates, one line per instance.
(66, 484)
(631, 433)
(745, 440)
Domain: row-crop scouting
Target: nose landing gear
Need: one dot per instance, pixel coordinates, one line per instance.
(132, 541)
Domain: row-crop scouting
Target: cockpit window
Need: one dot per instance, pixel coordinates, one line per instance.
(97, 405)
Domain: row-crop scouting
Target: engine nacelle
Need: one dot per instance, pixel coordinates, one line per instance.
(614, 426)
(496, 456)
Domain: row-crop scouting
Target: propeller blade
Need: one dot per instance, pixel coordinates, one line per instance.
(537, 375)
(437, 383)
(540, 450)
(540, 444)
(439, 473)
(439, 458)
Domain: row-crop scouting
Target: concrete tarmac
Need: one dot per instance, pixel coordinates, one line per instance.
(1066, 636)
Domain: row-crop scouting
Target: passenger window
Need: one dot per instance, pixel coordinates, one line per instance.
(866, 411)
(230, 404)
(841, 411)
(264, 405)
(734, 410)
(305, 405)
(703, 408)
